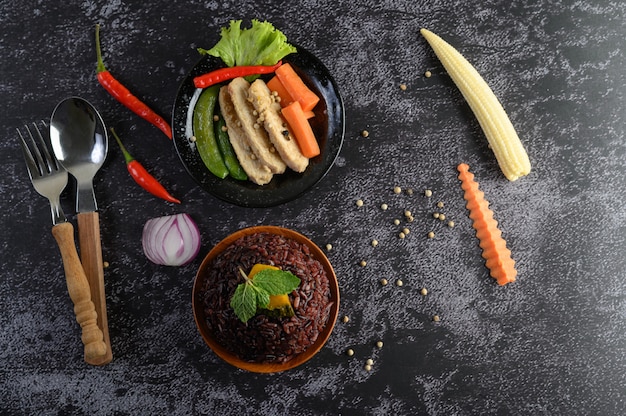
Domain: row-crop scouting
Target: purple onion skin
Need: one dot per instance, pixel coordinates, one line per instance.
(172, 240)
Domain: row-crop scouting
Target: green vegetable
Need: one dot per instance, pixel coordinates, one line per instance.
(261, 44)
(204, 132)
(226, 149)
(255, 293)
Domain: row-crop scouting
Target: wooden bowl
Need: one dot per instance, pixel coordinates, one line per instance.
(228, 356)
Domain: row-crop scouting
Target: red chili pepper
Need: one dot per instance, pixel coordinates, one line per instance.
(141, 175)
(124, 96)
(224, 74)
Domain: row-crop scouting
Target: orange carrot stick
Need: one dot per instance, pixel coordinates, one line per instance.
(497, 255)
(275, 85)
(301, 128)
(296, 87)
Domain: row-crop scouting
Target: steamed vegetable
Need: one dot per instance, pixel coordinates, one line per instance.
(276, 86)
(261, 44)
(497, 255)
(500, 133)
(203, 130)
(296, 88)
(226, 149)
(172, 240)
(299, 124)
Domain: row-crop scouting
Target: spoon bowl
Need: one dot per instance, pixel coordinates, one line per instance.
(80, 143)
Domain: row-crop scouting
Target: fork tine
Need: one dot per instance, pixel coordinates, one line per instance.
(31, 163)
(37, 150)
(50, 160)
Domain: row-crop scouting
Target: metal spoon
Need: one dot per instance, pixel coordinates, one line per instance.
(80, 143)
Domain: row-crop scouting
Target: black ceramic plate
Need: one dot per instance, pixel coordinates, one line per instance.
(328, 126)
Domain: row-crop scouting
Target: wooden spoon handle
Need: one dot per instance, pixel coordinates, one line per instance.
(78, 289)
(91, 258)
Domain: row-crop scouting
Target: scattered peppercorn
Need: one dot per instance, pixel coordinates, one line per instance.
(350, 352)
(359, 202)
(374, 243)
(397, 190)
(431, 234)
(399, 282)
(365, 133)
(383, 281)
(105, 264)
(424, 291)
(403, 87)
(346, 319)
(363, 263)
(450, 224)
(428, 193)
(401, 235)
(384, 207)
(329, 247)
(406, 231)
(409, 191)
(427, 74)
(440, 204)
(368, 367)
(436, 215)
(379, 344)
(436, 318)
(442, 217)
(369, 361)
(396, 221)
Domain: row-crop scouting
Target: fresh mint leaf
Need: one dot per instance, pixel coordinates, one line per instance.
(244, 301)
(276, 282)
(262, 297)
(255, 293)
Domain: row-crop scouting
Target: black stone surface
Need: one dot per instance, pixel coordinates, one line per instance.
(554, 342)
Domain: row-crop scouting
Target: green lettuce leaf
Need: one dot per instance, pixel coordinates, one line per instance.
(261, 44)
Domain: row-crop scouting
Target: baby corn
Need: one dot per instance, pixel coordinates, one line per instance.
(506, 145)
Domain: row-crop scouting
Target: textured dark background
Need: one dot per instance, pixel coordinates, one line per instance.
(554, 342)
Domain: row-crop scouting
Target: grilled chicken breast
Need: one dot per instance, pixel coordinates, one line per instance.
(280, 136)
(257, 136)
(257, 172)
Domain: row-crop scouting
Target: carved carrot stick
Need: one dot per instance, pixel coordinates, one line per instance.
(497, 255)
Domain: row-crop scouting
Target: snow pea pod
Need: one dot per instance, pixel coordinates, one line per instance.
(203, 130)
(226, 149)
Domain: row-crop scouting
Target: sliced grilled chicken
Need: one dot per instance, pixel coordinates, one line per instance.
(255, 169)
(268, 111)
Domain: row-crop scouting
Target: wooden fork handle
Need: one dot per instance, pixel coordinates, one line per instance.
(90, 247)
(78, 289)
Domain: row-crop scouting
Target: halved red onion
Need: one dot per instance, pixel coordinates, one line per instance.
(173, 240)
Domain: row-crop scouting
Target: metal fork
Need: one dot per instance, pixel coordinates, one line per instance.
(49, 179)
